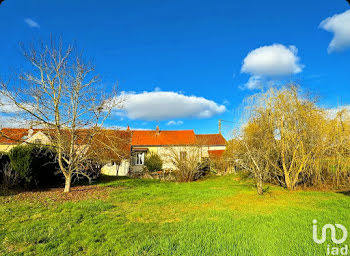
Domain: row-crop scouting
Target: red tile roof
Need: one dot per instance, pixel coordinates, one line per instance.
(138, 137)
(211, 139)
(111, 144)
(14, 135)
(162, 138)
(215, 153)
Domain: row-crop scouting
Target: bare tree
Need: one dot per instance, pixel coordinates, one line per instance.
(61, 94)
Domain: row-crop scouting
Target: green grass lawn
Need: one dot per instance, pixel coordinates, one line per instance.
(216, 216)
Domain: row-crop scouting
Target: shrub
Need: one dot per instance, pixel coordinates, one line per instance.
(35, 165)
(4, 163)
(190, 171)
(187, 163)
(9, 178)
(4, 158)
(20, 157)
(153, 162)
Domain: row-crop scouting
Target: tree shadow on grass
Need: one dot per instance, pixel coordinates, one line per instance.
(8, 192)
(345, 192)
(103, 179)
(5, 191)
(122, 181)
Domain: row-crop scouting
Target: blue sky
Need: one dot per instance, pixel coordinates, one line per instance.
(188, 56)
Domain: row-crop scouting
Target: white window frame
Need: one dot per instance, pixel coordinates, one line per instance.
(142, 158)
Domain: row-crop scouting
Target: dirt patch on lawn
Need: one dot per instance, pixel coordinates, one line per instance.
(77, 193)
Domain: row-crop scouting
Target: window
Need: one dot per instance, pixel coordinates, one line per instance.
(37, 141)
(139, 158)
(183, 155)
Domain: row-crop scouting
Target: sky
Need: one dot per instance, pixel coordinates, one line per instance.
(187, 64)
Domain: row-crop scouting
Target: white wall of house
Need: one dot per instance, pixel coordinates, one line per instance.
(124, 167)
(36, 138)
(110, 169)
(39, 138)
(6, 147)
(165, 151)
(115, 169)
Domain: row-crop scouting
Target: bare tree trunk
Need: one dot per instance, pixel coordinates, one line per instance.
(259, 186)
(68, 183)
(288, 181)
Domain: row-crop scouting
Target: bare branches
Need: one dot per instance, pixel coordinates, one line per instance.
(62, 95)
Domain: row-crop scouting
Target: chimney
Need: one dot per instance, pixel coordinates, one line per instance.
(128, 128)
(30, 132)
(157, 130)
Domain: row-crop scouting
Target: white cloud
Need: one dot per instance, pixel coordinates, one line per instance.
(274, 60)
(332, 112)
(339, 25)
(7, 106)
(31, 23)
(172, 122)
(162, 105)
(11, 115)
(7, 121)
(226, 102)
(254, 82)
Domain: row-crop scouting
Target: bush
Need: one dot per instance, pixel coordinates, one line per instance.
(187, 163)
(4, 162)
(189, 171)
(20, 157)
(9, 178)
(35, 165)
(4, 158)
(153, 162)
